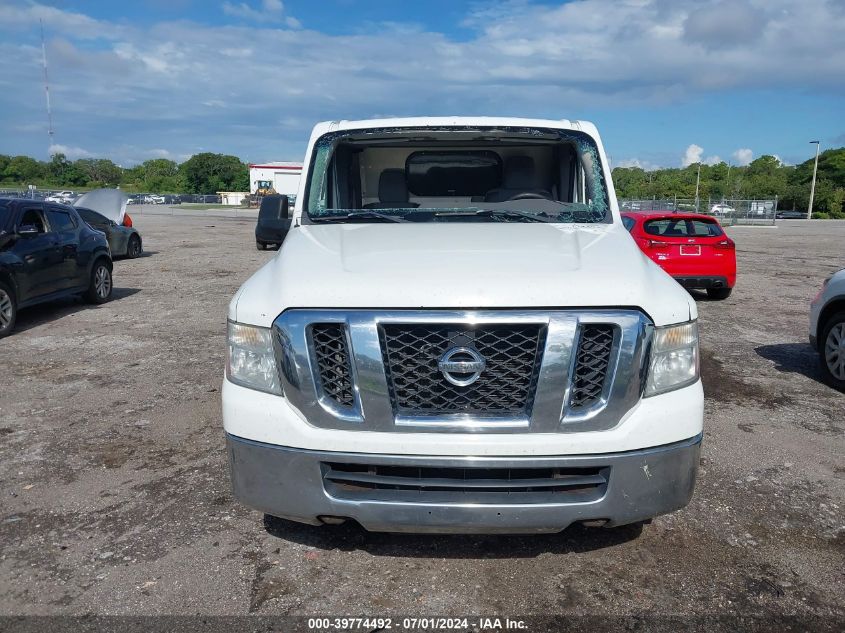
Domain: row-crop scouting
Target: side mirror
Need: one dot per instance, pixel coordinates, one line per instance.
(27, 230)
(284, 208)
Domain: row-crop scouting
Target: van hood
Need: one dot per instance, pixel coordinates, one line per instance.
(462, 266)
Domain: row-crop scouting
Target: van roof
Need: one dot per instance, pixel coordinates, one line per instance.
(456, 121)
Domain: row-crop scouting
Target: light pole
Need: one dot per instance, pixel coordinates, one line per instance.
(697, 183)
(813, 186)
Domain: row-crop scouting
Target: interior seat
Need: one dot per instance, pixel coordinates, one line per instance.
(519, 177)
(392, 191)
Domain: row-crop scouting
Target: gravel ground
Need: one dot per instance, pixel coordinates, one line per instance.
(114, 491)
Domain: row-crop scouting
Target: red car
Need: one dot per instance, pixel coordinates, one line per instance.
(691, 247)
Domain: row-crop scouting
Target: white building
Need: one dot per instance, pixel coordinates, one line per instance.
(232, 197)
(282, 176)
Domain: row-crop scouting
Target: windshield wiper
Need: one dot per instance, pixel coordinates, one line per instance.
(503, 213)
(355, 215)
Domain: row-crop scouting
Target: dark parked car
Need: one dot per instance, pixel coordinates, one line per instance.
(48, 252)
(273, 221)
(124, 241)
(791, 215)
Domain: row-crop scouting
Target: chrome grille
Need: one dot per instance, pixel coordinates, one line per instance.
(544, 371)
(513, 354)
(331, 353)
(591, 365)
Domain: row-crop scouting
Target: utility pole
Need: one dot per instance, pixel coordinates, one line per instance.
(697, 183)
(813, 186)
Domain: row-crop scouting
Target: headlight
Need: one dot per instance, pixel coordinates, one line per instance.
(250, 361)
(674, 358)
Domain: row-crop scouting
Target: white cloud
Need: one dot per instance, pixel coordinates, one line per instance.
(82, 26)
(743, 156)
(695, 154)
(523, 58)
(242, 10)
(728, 23)
(636, 162)
(71, 153)
(692, 155)
(267, 11)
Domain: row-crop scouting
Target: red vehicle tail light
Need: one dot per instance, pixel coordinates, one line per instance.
(725, 243)
(647, 243)
(127, 221)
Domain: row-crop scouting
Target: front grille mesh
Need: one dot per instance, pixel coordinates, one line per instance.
(513, 354)
(332, 355)
(591, 365)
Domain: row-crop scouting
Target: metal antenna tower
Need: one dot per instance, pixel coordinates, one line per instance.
(46, 87)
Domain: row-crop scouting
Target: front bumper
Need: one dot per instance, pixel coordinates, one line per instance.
(289, 483)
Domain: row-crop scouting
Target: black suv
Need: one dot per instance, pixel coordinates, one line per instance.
(48, 252)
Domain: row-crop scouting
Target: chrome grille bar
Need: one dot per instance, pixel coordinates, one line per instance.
(550, 407)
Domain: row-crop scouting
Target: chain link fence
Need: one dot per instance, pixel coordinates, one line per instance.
(727, 211)
(68, 196)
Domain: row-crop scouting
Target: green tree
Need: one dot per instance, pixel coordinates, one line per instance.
(161, 175)
(208, 173)
(61, 172)
(99, 171)
(57, 167)
(765, 177)
(24, 170)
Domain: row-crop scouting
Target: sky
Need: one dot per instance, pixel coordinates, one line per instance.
(668, 82)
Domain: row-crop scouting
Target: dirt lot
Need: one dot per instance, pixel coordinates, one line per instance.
(114, 492)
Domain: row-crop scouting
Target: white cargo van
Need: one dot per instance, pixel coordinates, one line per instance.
(459, 335)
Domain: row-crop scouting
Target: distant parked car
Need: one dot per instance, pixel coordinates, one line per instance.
(48, 252)
(154, 199)
(124, 241)
(273, 221)
(63, 197)
(691, 247)
(722, 210)
(827, 328)
(759, 208)
(791, 215)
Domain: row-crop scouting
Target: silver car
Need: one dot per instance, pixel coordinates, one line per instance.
(827, 328)
(124, 241)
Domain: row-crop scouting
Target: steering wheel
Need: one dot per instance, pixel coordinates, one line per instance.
(529, 195)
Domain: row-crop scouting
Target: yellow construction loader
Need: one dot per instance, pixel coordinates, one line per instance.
(262, 188)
